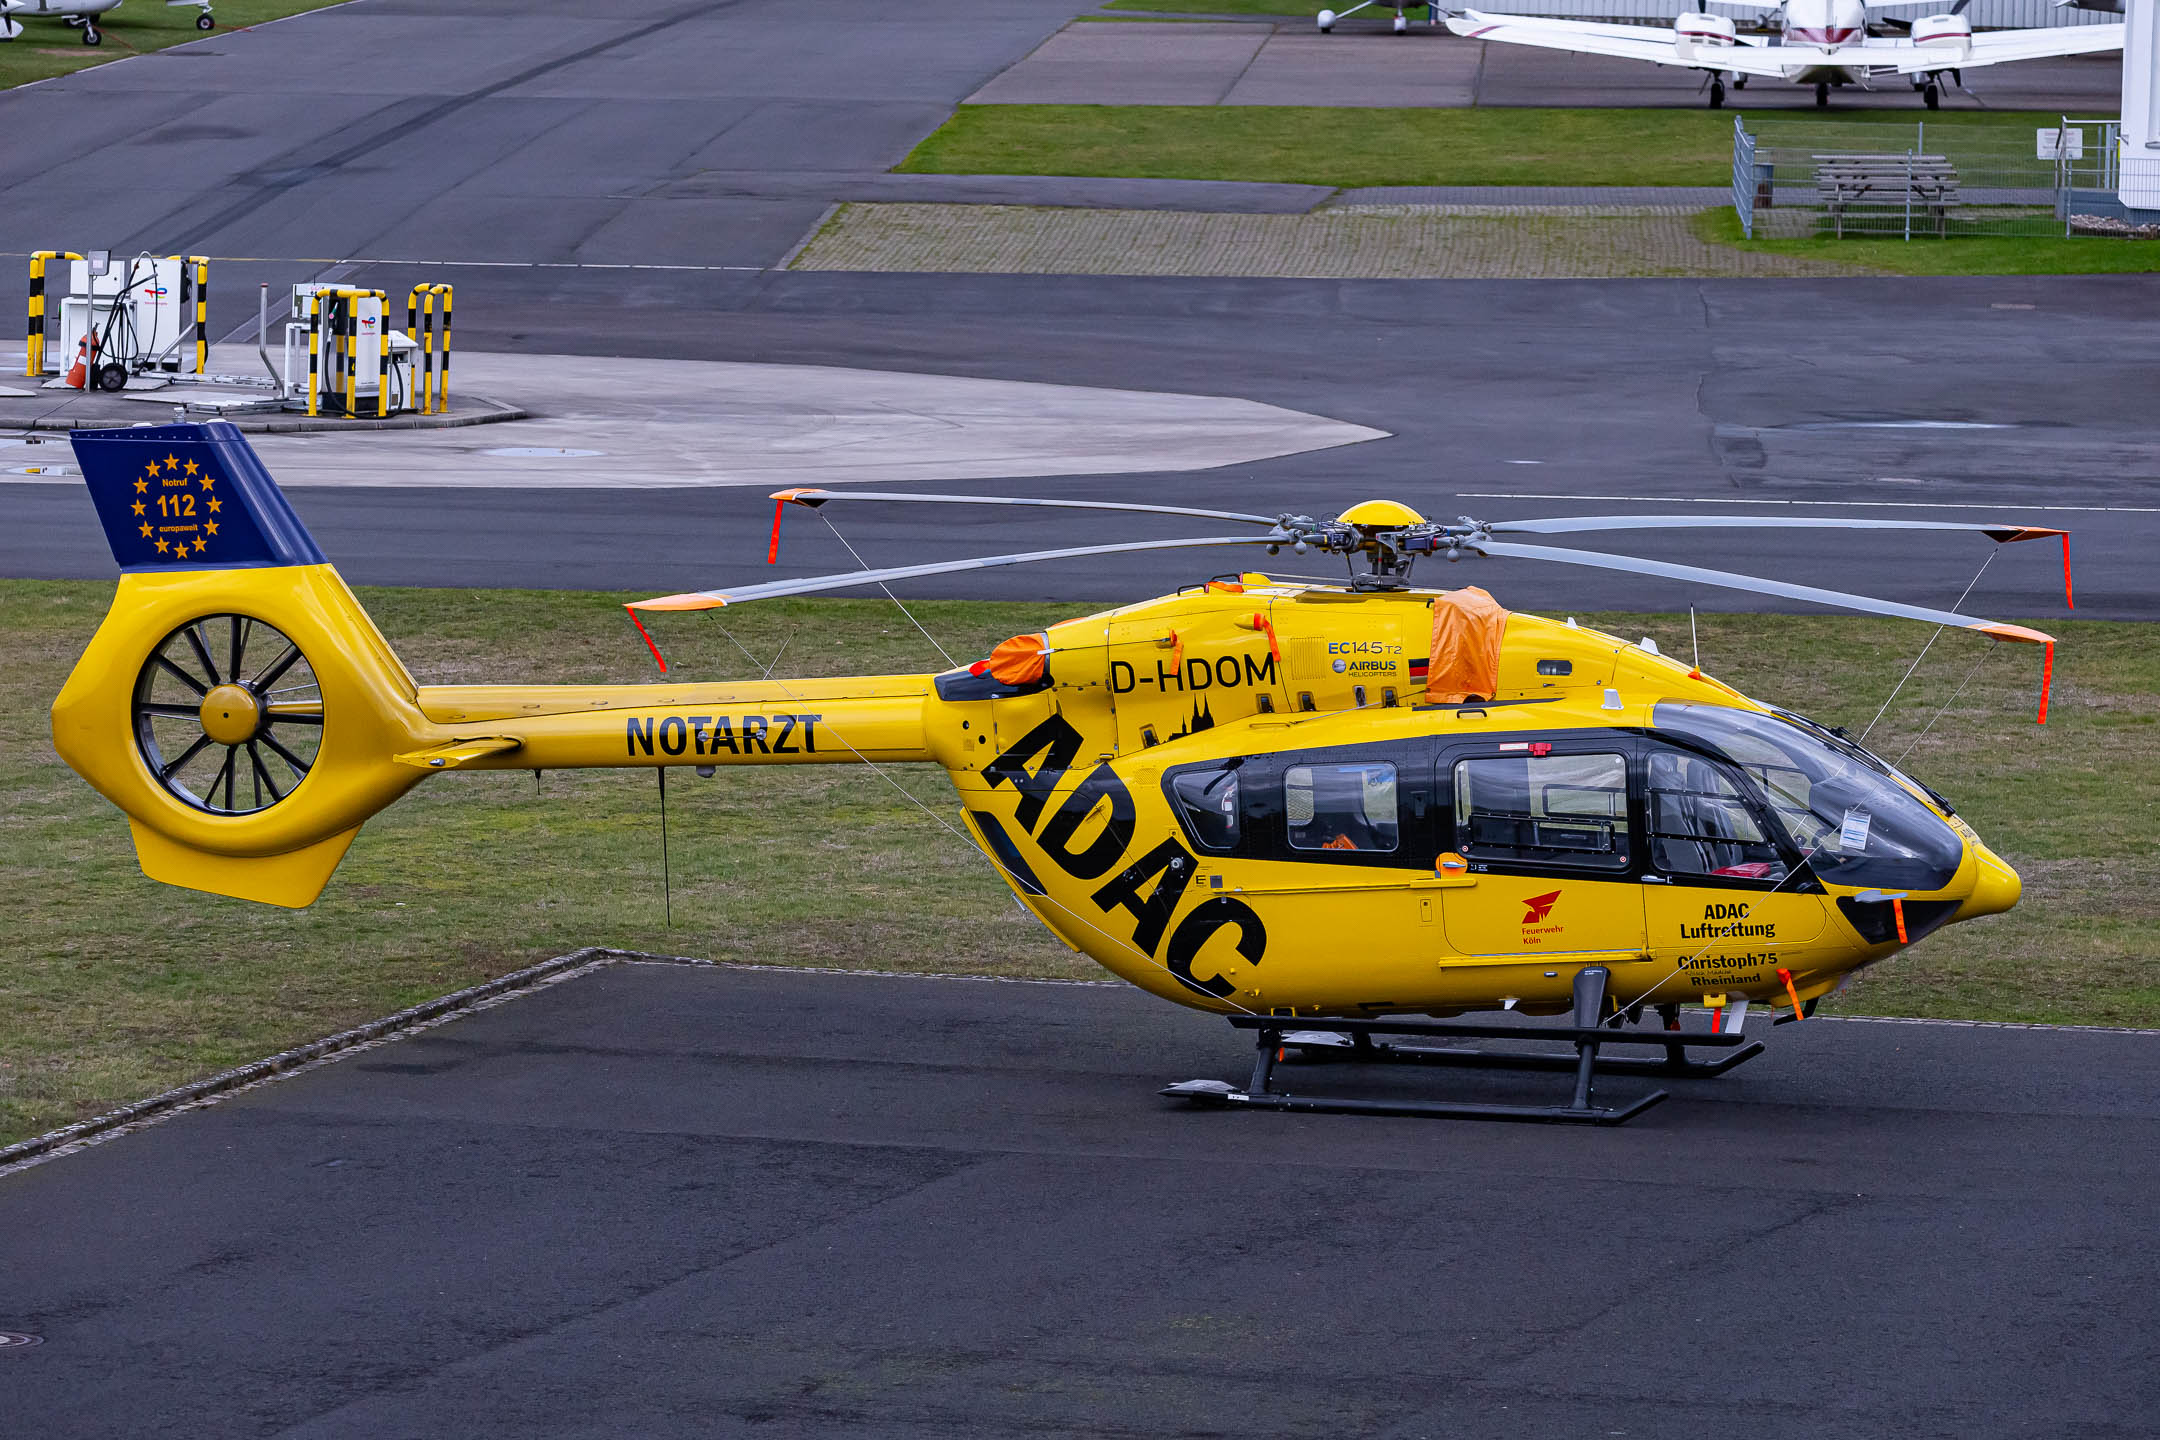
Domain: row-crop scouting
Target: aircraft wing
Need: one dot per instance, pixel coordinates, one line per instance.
(1657, 44)
(1994, 47)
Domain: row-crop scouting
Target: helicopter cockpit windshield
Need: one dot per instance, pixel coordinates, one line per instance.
(1856, 825)
(1844, 744)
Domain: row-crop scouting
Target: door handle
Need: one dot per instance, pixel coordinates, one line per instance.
(1450, 872)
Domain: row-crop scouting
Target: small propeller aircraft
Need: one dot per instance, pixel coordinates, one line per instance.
(1823, 43)
(83, 15)
(1316, 809)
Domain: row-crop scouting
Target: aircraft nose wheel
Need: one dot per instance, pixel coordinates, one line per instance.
(1717, 94)
(228, 715)
(204, 22)
(91, 35)
(1822, 95)
(1933, 96)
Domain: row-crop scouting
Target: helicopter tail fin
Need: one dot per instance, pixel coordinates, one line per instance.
(237, 703)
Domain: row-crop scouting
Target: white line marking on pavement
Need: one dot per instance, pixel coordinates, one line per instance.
(1879, 504)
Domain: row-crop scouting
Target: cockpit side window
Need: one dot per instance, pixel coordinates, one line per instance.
(1341, 807)
(1701, 823)
(1547, 809)
(1207, 801)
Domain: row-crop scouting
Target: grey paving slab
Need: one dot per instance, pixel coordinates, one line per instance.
(662, 1201)
(1299, 66)
(1129, 65)
(1340, 241)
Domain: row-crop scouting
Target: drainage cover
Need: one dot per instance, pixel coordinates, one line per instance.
(540, 452)
(16, 1340)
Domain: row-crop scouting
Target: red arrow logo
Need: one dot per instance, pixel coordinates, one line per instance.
(1540, 906)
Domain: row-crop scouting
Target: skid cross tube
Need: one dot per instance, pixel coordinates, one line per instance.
(1588, 1037)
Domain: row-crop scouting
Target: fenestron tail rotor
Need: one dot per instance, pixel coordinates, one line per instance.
(228, 714)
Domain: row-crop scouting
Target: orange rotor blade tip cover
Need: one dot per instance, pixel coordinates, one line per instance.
(678, 602)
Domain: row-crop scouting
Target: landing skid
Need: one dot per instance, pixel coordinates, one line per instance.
(1275, 1033)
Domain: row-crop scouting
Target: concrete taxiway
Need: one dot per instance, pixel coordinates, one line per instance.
(1290, 63)
(1946, 399)
(659, 1200)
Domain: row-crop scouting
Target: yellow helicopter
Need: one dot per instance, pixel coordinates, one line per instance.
(1329, 812)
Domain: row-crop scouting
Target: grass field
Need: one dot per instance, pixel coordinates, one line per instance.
(114, 987)
(1350, 147)
(47, 47)
(1961, 255)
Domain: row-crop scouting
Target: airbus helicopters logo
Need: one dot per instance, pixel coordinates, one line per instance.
(1148, 889)
(1540, 906)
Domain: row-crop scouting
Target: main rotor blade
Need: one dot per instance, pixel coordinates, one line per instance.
(713, 599)
(1730, 581)
(815, 498)
(1576, 524)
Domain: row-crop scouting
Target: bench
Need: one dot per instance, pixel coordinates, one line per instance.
(1886, 182)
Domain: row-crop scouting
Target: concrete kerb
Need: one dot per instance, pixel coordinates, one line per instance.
(300, 1057)
(426, 1016)
(473, 410)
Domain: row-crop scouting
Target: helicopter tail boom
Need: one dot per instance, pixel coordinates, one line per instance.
(241, 709)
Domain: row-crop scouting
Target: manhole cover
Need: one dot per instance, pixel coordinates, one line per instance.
(16, 1340)
(540, 452)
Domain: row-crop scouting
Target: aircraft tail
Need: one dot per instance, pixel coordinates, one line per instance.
(243, 711)
(237, 704)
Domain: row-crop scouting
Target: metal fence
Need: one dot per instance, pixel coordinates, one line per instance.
(1928, 180)
(1744, 175)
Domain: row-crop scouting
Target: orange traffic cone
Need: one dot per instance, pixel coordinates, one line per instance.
(85, 355)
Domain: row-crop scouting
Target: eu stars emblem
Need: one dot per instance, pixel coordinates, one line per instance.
(181, 504)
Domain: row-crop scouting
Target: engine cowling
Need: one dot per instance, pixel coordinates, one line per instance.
(1952, 32)
(1696, 28)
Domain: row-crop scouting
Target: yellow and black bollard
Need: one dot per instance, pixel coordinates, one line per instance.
(35, 331)
(200, 266)
(420, 329)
